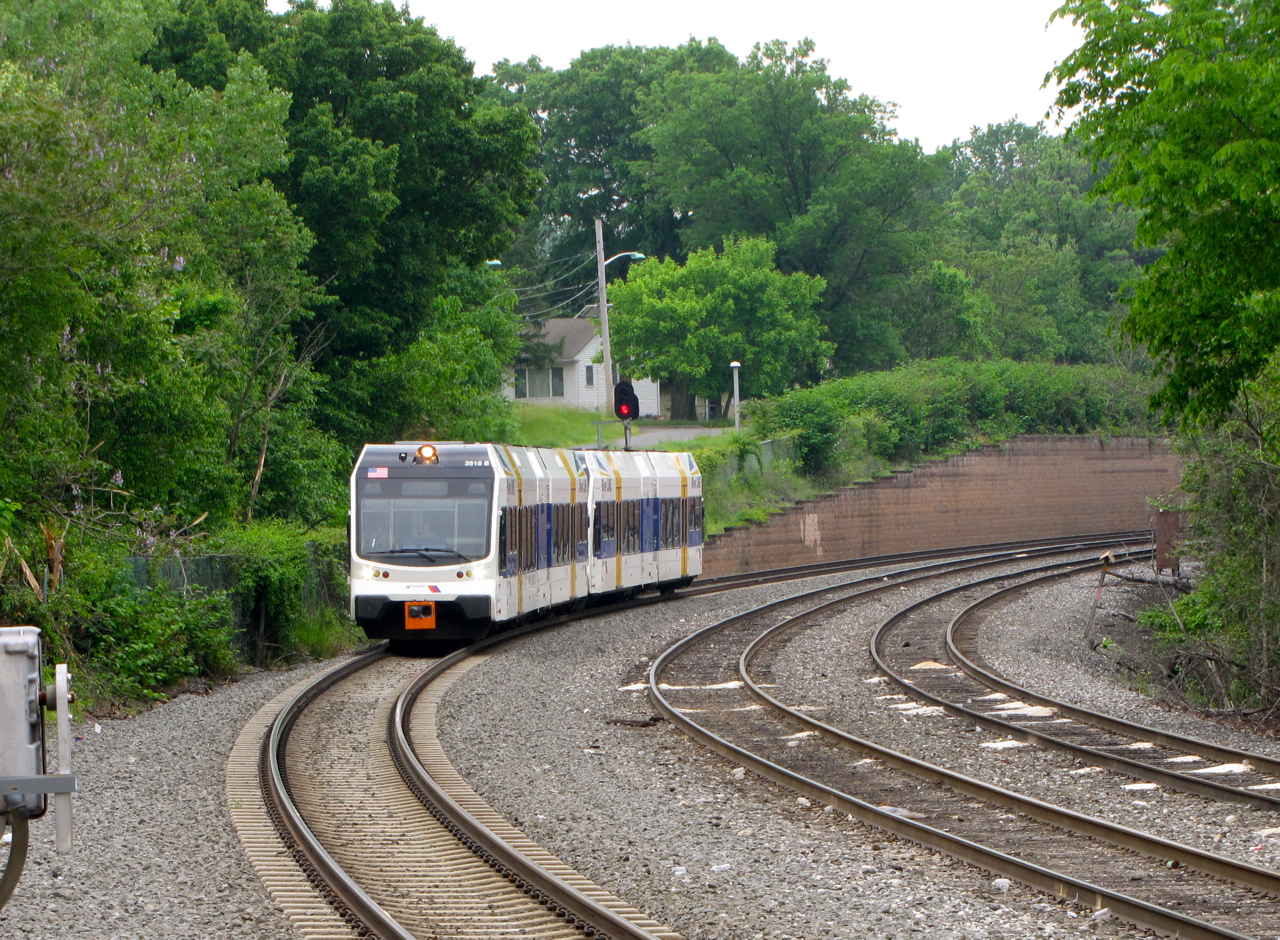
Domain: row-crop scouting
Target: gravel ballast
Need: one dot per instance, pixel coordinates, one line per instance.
(644, 812)
(154, 853)
(1041, 633)
(664, 823)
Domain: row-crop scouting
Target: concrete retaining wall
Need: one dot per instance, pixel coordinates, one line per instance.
(1029, 487)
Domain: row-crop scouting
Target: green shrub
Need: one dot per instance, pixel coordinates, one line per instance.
(928, 407)
(287, 581)
(146, 641)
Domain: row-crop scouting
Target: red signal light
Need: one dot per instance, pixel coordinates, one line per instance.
(625, 409)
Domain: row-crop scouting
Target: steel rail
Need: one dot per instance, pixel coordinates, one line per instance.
(557, 895)
(362, 913)
(1116, 762)
(815, 570)
(1253, 876)
(544, 886)
(347, 898)
(1062, 886)
(1118, 725)
(1133, 909)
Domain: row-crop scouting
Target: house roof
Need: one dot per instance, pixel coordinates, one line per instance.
(575, 333)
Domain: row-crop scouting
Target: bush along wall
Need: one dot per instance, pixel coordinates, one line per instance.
(929, 407)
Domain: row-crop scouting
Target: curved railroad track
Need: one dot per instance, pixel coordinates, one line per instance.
(362, 825)
(943, 627)
(709, 685)
(390, 839)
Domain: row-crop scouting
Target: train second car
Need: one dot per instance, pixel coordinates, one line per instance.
(452, 541)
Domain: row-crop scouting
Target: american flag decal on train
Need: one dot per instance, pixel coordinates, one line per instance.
(377, 473)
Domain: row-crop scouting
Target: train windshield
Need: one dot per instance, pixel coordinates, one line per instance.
(425, 522)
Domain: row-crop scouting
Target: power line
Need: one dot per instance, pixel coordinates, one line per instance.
(543, 313)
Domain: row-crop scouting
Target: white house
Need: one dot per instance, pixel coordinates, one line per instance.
(575, 380)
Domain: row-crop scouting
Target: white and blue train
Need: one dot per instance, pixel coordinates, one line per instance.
(452, 541)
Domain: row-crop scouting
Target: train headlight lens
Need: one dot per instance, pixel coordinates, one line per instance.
(427, 454)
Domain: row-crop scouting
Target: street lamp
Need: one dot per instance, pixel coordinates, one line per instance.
(737, 418)
(604, 311)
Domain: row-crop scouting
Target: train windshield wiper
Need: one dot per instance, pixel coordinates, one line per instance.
(426, 552)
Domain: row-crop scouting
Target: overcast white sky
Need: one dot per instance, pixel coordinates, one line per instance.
(948, 64)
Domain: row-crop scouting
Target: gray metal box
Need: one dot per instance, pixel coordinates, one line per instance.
(21, 721)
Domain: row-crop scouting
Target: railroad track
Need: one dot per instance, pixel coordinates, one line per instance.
(943, 628)
(714, 685)
(377, 835)
(338, 875)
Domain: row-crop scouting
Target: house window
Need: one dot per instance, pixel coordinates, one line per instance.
(540, 383)
(591, 376)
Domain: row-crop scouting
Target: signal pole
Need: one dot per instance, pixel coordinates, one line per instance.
(606, 351)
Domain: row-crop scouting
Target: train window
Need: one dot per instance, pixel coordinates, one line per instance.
(528, 556)
(607, 545)
(502, 543)
(532, 528)
(695, 520)
(566, 536)
(668, 524)
(628, 527)
(561, 534)
(580, 532)
(555, 535)
(418, 517)
(651, 530)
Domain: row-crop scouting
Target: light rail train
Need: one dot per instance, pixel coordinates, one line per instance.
(452, 541)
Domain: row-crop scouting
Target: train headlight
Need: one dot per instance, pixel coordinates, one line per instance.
(427, 454)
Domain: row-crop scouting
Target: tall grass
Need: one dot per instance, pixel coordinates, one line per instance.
(558, 426)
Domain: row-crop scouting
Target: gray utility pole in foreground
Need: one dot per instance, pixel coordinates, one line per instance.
(604, 320)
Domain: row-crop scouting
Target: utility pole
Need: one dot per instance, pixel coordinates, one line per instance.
(604, 320)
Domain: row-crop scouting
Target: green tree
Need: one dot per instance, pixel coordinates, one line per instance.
(169, 266)
(593, 153)
(684, 324)
(1022, 222)
(397, 154)
(402, 169)
(200, 40)
(1181, 99)
(776, 146)
(945, 316)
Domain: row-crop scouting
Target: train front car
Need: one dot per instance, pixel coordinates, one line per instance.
(424, 542)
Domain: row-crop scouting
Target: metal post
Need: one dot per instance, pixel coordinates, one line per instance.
(62, 801)
(737, 417)
(1107, 559)
(626, 434)
(604, 320)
